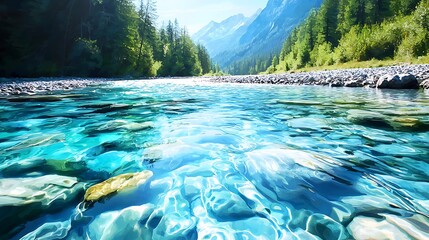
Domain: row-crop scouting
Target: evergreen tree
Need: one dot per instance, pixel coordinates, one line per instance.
(93, 38)
(358, 30)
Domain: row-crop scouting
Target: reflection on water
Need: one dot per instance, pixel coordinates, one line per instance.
(228, 161)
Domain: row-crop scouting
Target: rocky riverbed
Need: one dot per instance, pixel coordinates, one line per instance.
(40, 85)
(399, 77)
(403, 76)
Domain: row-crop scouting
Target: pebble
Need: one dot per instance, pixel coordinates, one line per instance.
(34, 86)
(359, 77)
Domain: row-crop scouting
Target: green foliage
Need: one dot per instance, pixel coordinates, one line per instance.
(181, 56)
(85, 58)
(358, 30)
(105, 38)
(321, 55)
(204, 58)
(252, 65)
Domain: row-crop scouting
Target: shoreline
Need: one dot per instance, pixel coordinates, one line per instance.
(358, 77)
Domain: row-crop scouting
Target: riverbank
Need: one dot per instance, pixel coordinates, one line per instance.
(415, 76)
(360, 77)
(33, 86)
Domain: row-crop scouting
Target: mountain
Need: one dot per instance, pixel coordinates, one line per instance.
(261, 36)
(219, 37)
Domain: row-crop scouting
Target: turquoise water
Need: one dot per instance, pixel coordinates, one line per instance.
(228, 161)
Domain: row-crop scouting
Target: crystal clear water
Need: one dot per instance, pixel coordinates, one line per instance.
(229, 162)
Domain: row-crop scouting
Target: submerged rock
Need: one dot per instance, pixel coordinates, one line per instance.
(368, 119)
(115, 125)
(176, 226)
(23, 199)
(388, 227)
(43, 190)
(53, 230)
(403, 81)
(129, 223)
(226, 205)
(408, 124)
(308, 123)
(113, 108)
(116, 184)
(43, 98)
(291, 102)
(38, 98)
(43, 166)
(37, 140)
(381, 121)
(325, 227)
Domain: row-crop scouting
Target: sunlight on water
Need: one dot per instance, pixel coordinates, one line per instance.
(228, 161)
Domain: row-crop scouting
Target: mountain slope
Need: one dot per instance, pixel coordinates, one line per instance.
(219, 37)
(260, 37)
(276, 22)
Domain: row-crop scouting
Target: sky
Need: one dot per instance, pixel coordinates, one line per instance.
(195, 14)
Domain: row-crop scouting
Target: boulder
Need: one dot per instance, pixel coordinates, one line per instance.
(325, 227)
(353, 83)
(408, 124)
(23, 199)
(116, 184)
(128, 223)
(45, 167)
(402, 81)
(336, 83)
(227, 206)
(425, 84)
(368, 119)
(388, 227)
(116, 125)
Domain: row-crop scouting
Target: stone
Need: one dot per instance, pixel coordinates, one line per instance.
(365, 228)
(314, 124)
(40, 98)
(129, 223)
(43, 190)
(37, 140)
(368, 119)
(24, 199)
(175, 226)
(402, 81)
(353, 83)
(408, 124)
(53, 230)
(225, 205)
(425, 84)
(325, 227)
(43, 166)
(116, 184)
(336, 83)
(113, 108)
(121, 124)
(388, 227)
(291, 102)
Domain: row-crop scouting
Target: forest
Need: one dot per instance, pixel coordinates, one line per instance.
(357, 30)
(94, 38)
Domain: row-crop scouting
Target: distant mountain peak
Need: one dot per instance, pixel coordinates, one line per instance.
(263, 33)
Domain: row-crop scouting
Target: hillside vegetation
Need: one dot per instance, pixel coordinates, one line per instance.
(344, 31)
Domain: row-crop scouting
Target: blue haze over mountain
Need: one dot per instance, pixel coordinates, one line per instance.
(263, 34)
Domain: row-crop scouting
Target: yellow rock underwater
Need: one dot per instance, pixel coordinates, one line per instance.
(116, 184)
